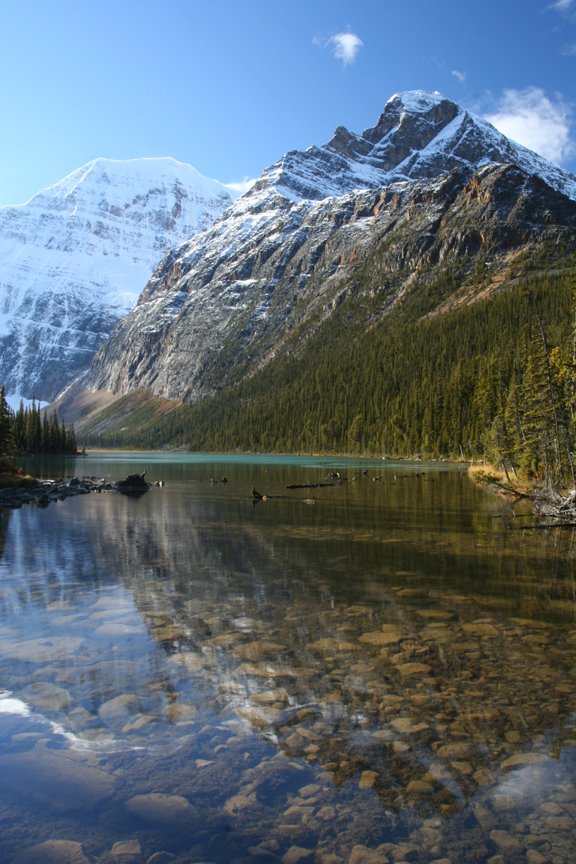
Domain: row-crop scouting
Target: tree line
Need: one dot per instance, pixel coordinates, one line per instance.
(29, 431)
(493, 379)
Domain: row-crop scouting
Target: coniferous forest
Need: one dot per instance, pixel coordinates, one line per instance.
(491, 379)
(28, 431)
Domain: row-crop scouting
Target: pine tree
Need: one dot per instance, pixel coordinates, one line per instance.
(7, 443)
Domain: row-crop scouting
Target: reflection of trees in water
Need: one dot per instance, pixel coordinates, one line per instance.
(330, 629)
(4, 523)
(311, 636)
(45, 562)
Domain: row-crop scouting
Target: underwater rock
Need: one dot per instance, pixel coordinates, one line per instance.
(43, 696)
(66, 780)
(162, 808)
(53, 852)
(117, 712)
(298, 855)
(523, 759)
(43, 649)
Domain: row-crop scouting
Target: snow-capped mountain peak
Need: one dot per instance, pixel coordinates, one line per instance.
(75, 257)
(418, 136)
(124, 180)
(407, 193)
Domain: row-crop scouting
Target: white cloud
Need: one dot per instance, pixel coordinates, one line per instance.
(461, 76)
(345, 46)
(562, 5)
(241, 186)
(532, 119)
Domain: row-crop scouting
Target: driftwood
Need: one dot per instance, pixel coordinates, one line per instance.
(259, 496)
(308, 485)
(546, 503)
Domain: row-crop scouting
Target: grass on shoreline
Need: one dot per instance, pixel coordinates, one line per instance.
(17, 481)
(487, 474)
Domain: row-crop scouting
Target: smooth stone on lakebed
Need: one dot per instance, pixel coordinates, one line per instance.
(331, 645)
(116, 712)
(419, 787)
(65, 780)
(139, 722)
(381, 637)
(298, 855)
(260, 716)
(43, 696)
(42, 650)
(270, 697)
(481, 628)
(520, 760)
(407, 726)
(190, 661)
(368, 779)
(124, 850)
(181, 712)
(409, 669)
(258, 650)
(53, 852)
(363, 855)
(505, 841)
(162, 808)
(455, 750)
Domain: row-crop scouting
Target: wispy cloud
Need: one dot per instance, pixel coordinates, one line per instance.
(241, 186)
(531, 118)
(461, 76)
(566, 8)
(344, 46)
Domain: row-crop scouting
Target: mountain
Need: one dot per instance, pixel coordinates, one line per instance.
(75, 257)
(376, 215)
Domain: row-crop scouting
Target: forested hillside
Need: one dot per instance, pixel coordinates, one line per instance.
(492, 377)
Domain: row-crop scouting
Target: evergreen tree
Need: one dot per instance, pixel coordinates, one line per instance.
(7, 442)
(28, 431)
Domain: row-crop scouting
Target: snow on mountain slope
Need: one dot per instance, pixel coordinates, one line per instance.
(419, 135)
(74, 259)
(230, 297)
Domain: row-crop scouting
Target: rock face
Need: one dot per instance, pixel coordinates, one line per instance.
(428, 185)
(74, 258)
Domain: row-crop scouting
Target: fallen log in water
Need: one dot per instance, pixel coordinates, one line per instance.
(259, 496)
(308, 485)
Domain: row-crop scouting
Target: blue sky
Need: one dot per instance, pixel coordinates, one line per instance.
(230, 85)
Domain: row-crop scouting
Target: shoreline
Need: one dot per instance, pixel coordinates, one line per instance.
(45, 492)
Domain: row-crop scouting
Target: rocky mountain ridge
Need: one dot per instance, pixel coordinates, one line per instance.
(418, 136)
(365, 216)
(75, 257)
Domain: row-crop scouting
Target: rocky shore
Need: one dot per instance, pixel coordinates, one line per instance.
(45, 492)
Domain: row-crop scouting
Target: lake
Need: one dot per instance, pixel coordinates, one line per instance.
(377, 669)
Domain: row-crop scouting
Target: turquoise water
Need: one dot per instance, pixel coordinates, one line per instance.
(380, 669)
